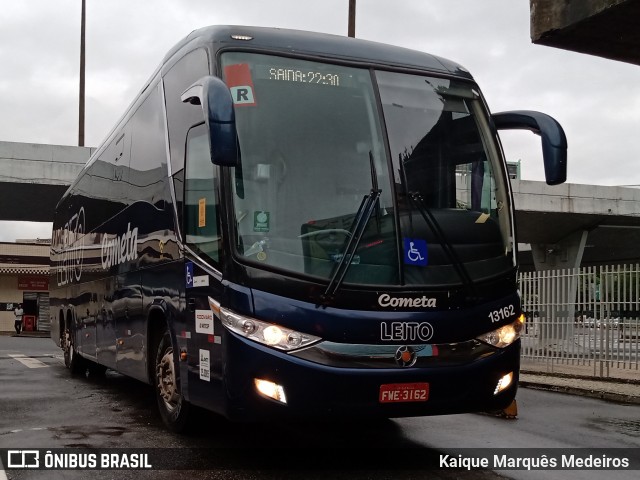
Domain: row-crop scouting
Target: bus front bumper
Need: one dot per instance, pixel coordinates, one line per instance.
(306, 389)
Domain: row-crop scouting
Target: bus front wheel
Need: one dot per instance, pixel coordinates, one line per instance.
(173, 407)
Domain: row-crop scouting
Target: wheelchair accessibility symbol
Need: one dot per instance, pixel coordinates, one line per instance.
(188, 271)
(415, 251)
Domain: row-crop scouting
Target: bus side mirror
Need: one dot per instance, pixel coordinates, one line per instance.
(219, 116)
(554, 141)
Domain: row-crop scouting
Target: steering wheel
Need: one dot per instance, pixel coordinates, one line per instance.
(330, 240)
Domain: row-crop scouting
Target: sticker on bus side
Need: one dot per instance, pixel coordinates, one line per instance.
(204, 322)
(205, 365)
(240, 83)
(202, 213)
(201, 281)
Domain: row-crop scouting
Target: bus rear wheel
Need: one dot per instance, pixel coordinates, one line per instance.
(72, 360)
(173, 407)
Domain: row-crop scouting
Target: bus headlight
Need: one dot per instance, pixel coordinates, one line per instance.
(505, 335)
(272, 335)
(269, 334)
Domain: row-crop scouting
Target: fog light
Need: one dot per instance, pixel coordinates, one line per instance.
(503, 383)
(270, 390)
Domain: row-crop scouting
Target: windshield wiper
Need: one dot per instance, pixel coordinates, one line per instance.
(418, 201)
(359, 225)
(356, 230)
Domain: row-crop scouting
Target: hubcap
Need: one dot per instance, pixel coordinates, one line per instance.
(167, 380)
(68, 347)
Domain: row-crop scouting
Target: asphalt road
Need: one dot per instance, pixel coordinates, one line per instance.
(43, 406)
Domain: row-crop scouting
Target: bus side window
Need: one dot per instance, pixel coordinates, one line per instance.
(148, 164)
(180, 116)
(201, 219)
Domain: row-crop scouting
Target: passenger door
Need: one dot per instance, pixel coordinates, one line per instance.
(204, 249)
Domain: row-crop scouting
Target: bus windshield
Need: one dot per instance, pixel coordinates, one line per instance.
(316, 142)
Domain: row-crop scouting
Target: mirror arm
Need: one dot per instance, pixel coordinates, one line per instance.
(554, 141)
(219, 115)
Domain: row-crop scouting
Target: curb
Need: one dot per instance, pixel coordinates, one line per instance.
(26, 335)
(557, 375)
(601, 388)
(584, 392)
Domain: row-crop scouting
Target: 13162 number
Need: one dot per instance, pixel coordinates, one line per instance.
(502, 313)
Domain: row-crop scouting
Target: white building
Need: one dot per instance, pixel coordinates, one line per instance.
(24, 278)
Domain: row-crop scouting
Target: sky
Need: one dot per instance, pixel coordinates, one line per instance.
(596, 100)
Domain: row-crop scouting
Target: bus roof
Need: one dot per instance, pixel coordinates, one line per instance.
(331, 47)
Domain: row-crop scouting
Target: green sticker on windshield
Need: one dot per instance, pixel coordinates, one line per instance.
(261, 221)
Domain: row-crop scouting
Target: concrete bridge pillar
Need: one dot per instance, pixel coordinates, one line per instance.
(560, 311)
(566, 253)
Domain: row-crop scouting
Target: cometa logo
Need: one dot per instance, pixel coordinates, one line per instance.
(385, 300)
(120, 249)
(69, 241)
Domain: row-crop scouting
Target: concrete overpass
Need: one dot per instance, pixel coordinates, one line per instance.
(571, 225)
(566, 225)
(606, 28)
(33, 177)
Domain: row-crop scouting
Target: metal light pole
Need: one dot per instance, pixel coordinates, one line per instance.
(352, 18)
(81, 102)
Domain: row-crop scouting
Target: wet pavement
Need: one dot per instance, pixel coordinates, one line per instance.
(114, 411)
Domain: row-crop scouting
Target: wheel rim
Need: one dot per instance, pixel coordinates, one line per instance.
(167, 381)
(68, 345)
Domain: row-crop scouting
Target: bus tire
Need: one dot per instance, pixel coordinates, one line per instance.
(72, 359)
(173, 407)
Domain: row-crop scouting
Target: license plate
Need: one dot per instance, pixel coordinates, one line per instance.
(404, 392)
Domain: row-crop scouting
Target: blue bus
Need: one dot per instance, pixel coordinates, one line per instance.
(294, 224)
